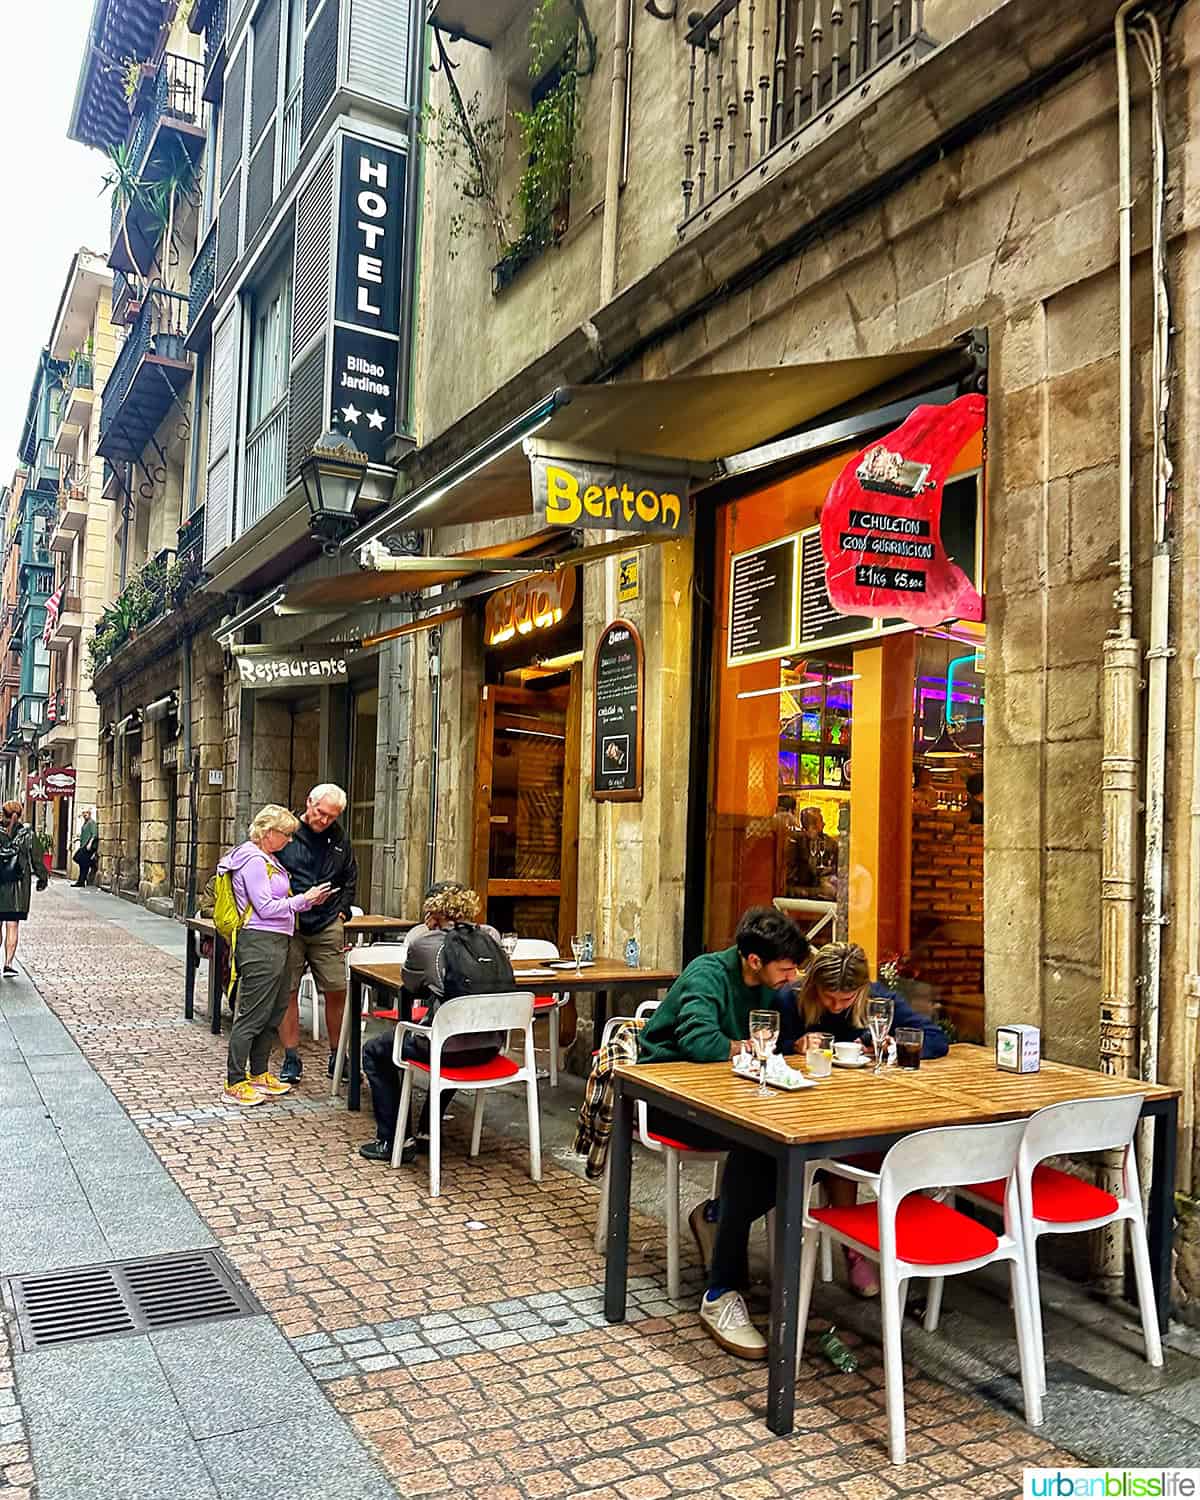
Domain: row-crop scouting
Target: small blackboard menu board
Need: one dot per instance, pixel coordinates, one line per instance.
(820, 623)
(762, 601)
(618, 688)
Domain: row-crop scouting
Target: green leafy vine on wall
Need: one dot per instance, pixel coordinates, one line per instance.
(471, 144)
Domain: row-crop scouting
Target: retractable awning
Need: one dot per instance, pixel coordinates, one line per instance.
(699, 419)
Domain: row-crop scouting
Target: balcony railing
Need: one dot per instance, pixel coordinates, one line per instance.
(201, 276)
(59, 707)
(172, 101)
(761, 74)
(154, 591)
(127, 294)
(289, 152)
(214, 49)
(81, 375)
(43, 471)
(149, 372)
(190, 542)
(266, 467)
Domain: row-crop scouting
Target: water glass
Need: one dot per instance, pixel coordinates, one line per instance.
(879, 1019)
(764, 1033)
(508, 941)
(577, 950)
(818, 1053)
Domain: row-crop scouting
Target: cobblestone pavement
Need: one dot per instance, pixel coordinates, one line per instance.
(462, 1337)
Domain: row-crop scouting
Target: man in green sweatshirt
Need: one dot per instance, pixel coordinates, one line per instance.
(705, 1018)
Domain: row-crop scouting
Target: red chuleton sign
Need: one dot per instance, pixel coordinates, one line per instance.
(881, 525)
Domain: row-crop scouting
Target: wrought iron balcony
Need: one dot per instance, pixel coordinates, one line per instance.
(765, 79)
(200, 288)
(151, 370)
(127, 294)
(168, 129)
(60, 707)
(211, 18)
(72, 512)
(75, 405)
(43, 471)
(68, 625)
(190, 546)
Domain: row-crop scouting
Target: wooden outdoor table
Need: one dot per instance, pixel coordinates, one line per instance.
(366, 927)
(598, 978)
(853, 1111)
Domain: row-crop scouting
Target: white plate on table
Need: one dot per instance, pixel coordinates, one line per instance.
(569, 963)
(862, 1062)
(536, 974)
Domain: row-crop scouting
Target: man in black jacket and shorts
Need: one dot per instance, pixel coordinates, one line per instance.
(319, 853)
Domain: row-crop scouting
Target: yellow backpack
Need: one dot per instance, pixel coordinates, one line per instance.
(228, 920)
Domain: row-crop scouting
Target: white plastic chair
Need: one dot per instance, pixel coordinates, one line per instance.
(372, 953)
(468, 1016)
(1055, 1202)
(308, 994)
(539, 950)
(672, 1153)
(936, 1241)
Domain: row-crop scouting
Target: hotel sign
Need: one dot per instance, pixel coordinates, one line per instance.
(368, 295)
(609, 497)
(882, 528)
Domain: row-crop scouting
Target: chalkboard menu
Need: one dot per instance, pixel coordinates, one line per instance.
(618, 714)
(762, 601)
(820, 623)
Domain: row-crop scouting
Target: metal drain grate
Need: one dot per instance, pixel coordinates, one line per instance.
(126, 1296)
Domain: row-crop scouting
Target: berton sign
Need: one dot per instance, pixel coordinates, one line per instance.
(609, 496)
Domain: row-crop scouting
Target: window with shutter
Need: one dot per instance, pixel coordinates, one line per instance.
(310, 313)
(233, 118)
(378, 51)
(264, 78)
(222, 420)
(320, 67)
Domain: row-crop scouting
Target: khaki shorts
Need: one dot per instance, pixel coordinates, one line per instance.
(323, 955)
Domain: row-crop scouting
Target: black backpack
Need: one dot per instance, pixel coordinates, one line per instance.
(471, 962)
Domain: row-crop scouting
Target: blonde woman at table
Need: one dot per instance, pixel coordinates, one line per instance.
(833, 998)
(705, 1018)
(261, 888)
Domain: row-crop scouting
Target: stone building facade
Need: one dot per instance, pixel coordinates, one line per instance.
(971, 189)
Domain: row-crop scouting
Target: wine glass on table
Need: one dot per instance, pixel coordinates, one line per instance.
(578, 947)
(879, 1019)
(764, 1033)
(508, 941)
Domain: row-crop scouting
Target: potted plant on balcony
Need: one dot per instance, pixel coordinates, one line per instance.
(127, 189)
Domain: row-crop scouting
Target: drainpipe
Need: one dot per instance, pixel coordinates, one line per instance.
(435, 684)
(1121, 676)
(622, 45)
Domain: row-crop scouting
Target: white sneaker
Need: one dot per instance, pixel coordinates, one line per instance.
(728, 1322)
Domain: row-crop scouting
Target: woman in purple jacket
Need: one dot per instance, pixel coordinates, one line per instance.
(261, 883)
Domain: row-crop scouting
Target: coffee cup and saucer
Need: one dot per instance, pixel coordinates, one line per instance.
(849, 1055)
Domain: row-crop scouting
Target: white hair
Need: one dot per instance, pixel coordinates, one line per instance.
(329, 791)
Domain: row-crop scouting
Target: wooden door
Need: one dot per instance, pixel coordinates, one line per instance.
(526, 818)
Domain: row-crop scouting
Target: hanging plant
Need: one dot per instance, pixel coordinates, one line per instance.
(470, 147)
(131, 78)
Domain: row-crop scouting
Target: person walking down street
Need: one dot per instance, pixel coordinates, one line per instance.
(88, 848)
(319, 852)
(17, 874)
(264, 895)
(706, 1018)
(446, 905)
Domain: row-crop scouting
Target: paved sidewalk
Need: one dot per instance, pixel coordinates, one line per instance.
(460, 1337)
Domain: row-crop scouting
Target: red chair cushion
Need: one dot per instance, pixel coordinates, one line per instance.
(665, 1140)
(1058, 1197)
(419, 1012)
(928, 1233)
(499, 1067)
(545, 1002)
(384, 1015)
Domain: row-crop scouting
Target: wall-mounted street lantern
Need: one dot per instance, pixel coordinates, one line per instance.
(333, 475)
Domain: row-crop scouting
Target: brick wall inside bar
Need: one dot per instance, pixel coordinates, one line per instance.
(946, 922)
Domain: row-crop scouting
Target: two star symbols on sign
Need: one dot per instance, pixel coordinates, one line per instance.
(351, 414)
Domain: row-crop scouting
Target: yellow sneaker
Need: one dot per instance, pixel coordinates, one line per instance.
(243, 1094)
(267, 1083)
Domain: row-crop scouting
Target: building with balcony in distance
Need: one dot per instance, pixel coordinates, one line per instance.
(81, 542)
(12, 771)
(155, 672)
(301, 321)
(33, 514)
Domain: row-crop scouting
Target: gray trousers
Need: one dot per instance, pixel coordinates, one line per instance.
(262, 999)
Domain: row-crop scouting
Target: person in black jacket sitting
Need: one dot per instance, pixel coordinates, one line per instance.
(319, 854)
(833, 998)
